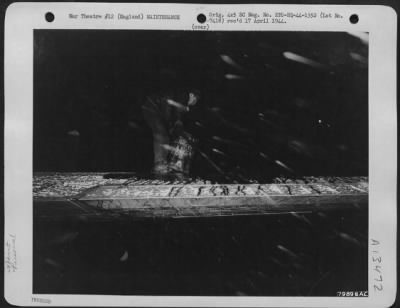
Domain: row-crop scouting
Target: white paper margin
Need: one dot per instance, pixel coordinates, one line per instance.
(21, 18)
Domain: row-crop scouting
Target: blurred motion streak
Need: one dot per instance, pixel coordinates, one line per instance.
(297, 58)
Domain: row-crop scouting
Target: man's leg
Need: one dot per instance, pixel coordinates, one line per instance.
(160, 136)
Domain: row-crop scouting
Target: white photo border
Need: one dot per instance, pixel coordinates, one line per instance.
(22, 18)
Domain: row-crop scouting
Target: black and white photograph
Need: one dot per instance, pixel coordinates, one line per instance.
(200, 155)
(216, 163)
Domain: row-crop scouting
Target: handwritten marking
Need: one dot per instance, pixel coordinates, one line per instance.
(174, 191)
(240, 190)
(212, 190)
(200, 190)
(377, 266)
(315, 189)
(11, 257)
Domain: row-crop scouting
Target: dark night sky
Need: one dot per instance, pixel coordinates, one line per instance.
(305, 118)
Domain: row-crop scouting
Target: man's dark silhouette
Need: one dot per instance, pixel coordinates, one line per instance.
(172, 143)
